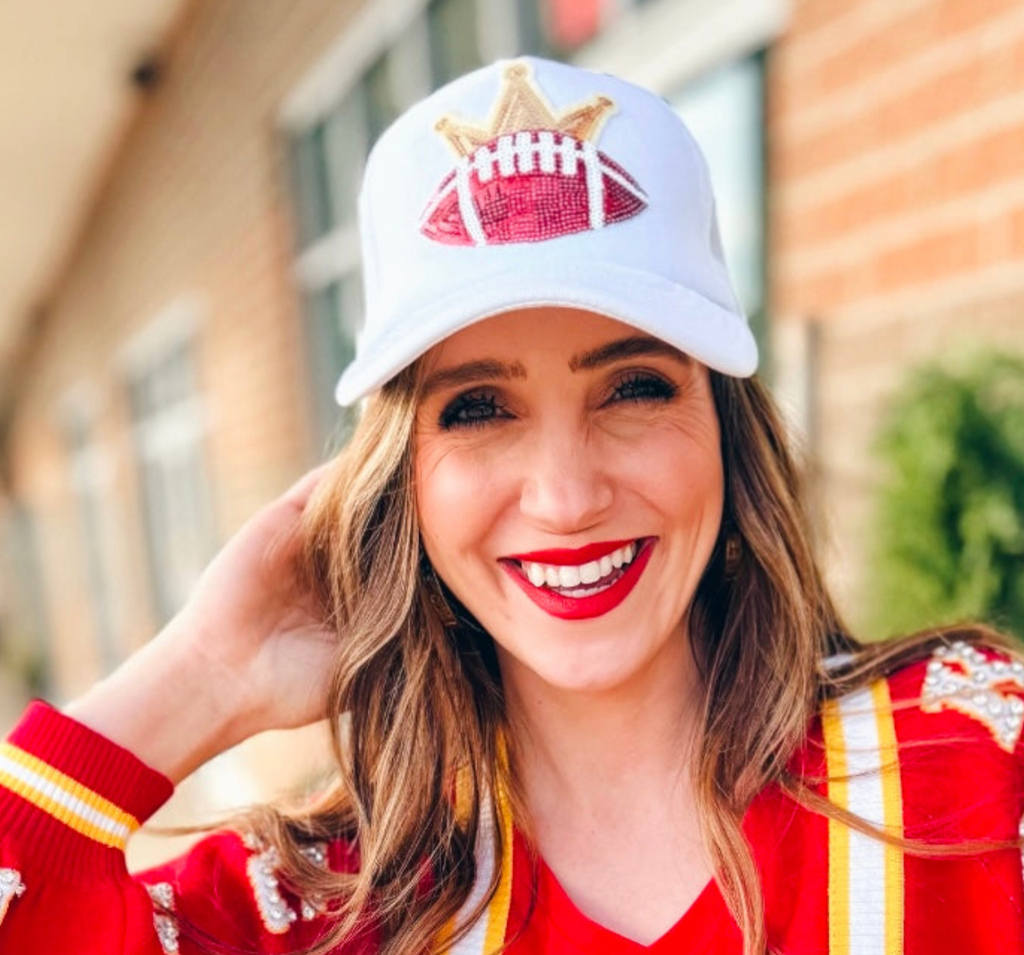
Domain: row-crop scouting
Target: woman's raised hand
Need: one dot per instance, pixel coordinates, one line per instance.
(246, 653)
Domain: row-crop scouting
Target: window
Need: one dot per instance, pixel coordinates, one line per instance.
(331, 125)
(98, 525)
(454, 39)
(332, 314)
(724, 111)
(381, 106)
(24, 631)
(168, 428)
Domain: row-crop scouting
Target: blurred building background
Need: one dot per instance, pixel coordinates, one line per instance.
(179, 277)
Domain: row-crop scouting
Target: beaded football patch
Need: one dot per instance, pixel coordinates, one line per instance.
(11, 887)
(960, 677)
(164, 922)
(529, 173)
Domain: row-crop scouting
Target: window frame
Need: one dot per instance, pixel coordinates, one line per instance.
(757, 312)
(714, 31)
(396, 33)
(92, 474)
(157, 435)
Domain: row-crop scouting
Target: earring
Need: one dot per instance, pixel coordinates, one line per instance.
(733, 553)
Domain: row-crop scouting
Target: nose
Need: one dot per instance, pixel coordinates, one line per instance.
(566, 482)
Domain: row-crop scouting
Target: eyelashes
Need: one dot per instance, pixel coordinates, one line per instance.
(472, 409)
(642, 386)
(480, 407)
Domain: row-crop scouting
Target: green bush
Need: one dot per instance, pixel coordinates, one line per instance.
(950, 529)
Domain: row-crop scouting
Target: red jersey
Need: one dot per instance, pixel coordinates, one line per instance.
(932, 754)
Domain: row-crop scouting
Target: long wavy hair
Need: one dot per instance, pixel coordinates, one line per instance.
(416, 695)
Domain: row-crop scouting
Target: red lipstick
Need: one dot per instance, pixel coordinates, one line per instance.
(583, 608)
(572, 555)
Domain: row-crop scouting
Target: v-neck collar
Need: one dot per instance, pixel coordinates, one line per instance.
(705, 927)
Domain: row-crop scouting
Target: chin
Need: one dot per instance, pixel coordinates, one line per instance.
(586, 671)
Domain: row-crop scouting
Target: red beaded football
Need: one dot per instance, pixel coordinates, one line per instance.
(530, 186)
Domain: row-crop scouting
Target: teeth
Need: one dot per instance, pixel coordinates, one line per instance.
(571, 576)
(623, 555)
(585, 591)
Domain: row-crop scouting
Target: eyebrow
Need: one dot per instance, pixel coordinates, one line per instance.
(465, 374)
(636, 346)
(489, 369)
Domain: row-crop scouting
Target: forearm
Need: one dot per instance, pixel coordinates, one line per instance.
(165, 706)
(247, 653)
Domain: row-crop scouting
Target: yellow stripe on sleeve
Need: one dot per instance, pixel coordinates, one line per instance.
(64, 798)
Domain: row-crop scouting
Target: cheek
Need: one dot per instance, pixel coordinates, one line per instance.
(702, 480)
(683, 469)
(431, 496)
(454, 499)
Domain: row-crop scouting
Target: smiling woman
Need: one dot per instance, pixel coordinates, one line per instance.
(558, 600)
(542, 468)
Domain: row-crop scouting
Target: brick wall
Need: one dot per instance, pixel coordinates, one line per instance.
(195, 205)
(896, 131)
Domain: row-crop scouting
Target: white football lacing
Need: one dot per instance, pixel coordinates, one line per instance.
(526, 152)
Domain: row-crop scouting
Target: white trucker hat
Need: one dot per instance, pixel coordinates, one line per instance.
(527, 183)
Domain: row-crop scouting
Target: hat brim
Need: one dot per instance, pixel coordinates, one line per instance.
(713, 334)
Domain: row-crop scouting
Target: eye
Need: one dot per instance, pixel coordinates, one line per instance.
(472, 409)
(640, 386)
